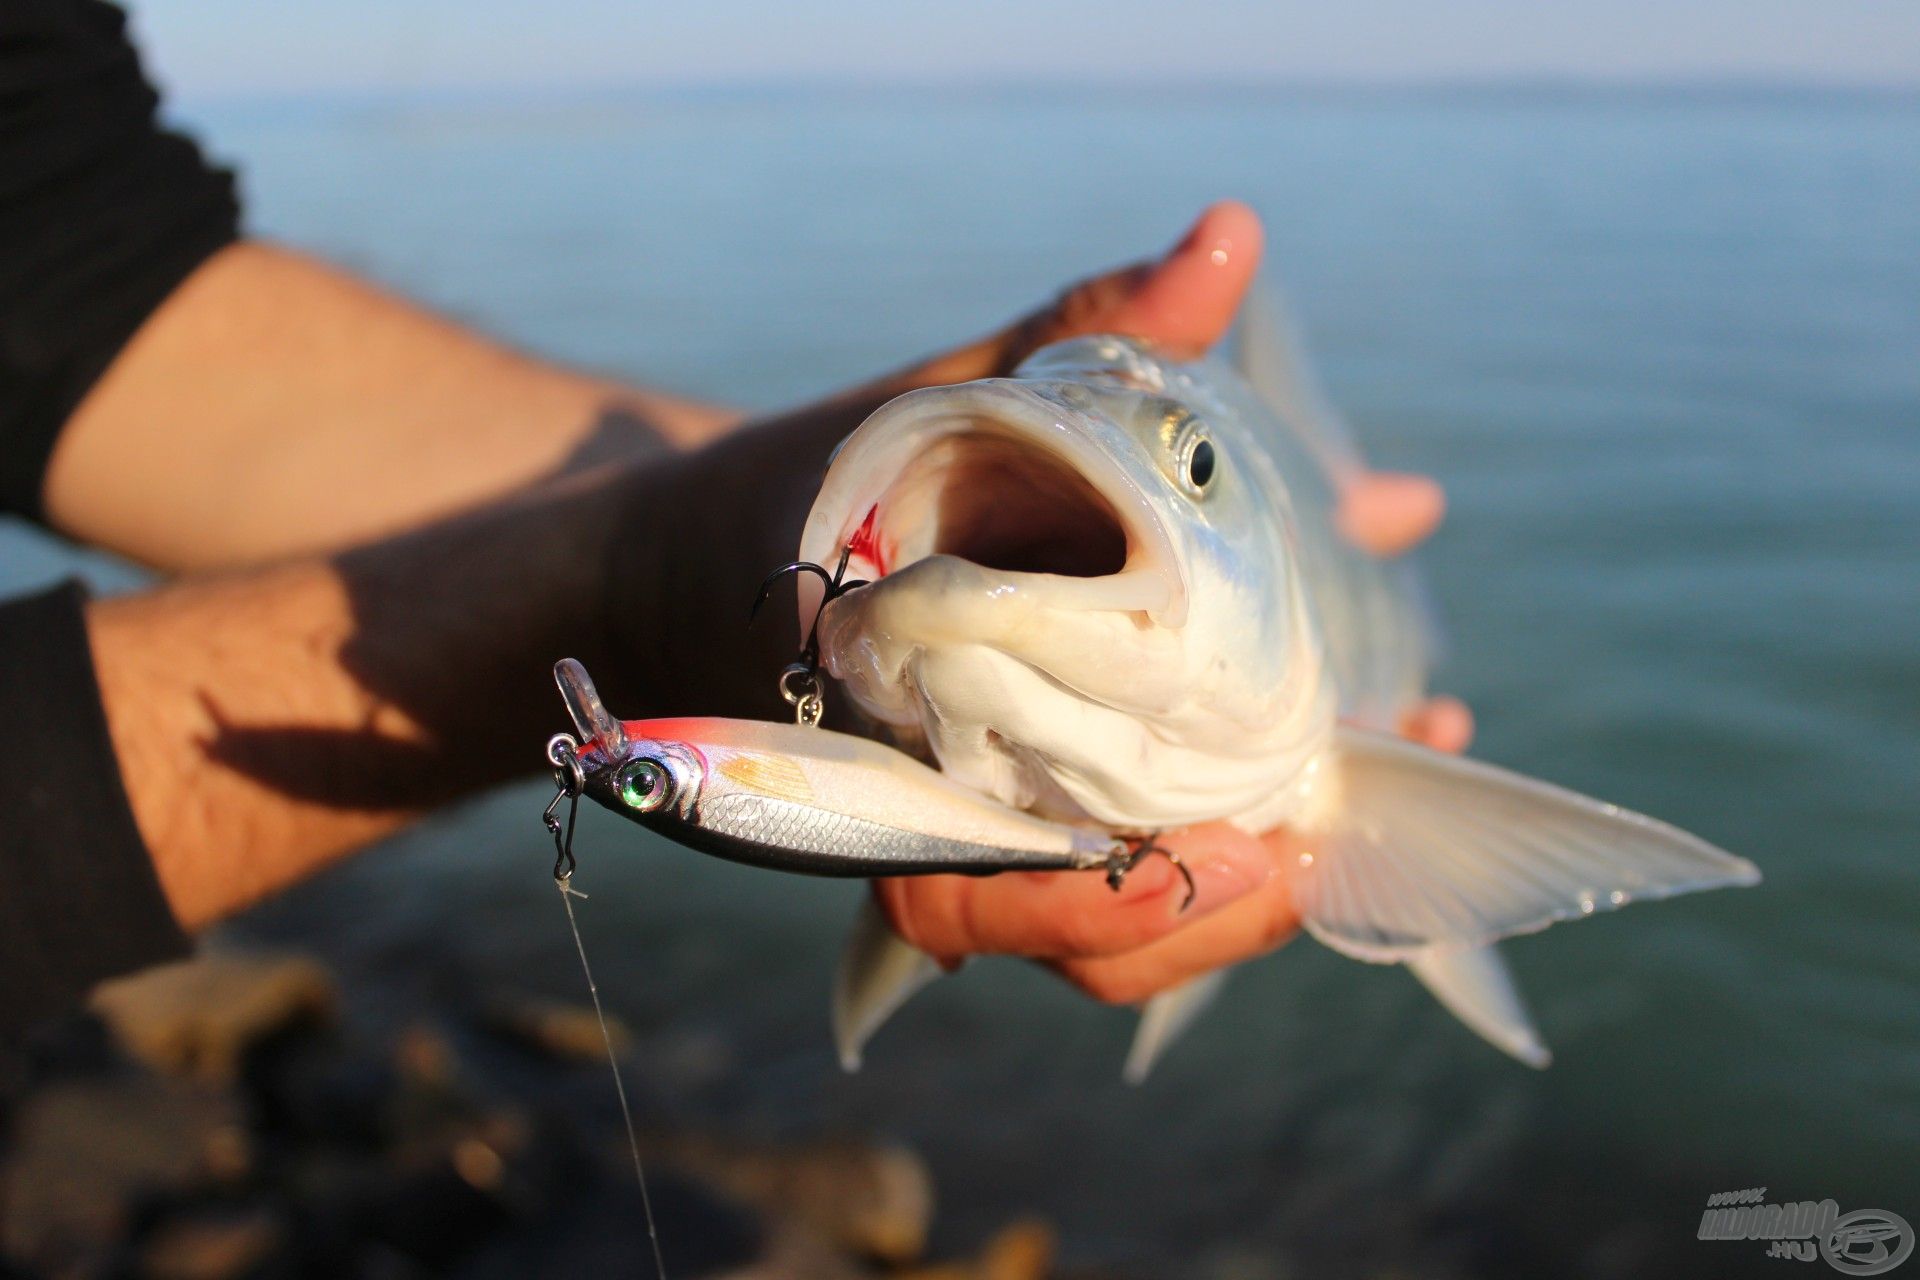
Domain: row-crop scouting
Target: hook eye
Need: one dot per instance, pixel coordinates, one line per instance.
(563, 754)
(644, 785)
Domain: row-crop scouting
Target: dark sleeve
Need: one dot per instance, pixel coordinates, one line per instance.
(79, 900)
(102, 213)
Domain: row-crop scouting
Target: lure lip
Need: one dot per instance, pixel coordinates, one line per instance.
(870, 463)
(599, 764)
(595, 725)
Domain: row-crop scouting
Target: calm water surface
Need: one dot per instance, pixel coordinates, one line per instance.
(1664, 351)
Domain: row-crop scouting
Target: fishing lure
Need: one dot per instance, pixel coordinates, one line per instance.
(793, 797)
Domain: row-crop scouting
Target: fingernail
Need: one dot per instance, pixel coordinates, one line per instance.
(1222, 875)
(1209, 232)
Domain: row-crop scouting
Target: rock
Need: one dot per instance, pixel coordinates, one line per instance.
(222, 1244)
(323, 1090)
(1021, 1251)
(874, 1201)
(202, 1016)
(85, 1154)
(562, 1032)
(258, 1135)
(592, 1228)
(426, 1060)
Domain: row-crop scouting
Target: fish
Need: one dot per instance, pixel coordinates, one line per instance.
(1110, 590)
(792, 797)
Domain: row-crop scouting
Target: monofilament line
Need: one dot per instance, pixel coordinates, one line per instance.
(567, 894)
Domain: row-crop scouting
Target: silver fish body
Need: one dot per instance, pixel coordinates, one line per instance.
(1110, 590)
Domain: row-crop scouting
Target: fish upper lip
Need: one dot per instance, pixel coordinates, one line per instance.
(872, 460)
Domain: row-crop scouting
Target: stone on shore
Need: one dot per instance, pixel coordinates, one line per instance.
(201, 1017)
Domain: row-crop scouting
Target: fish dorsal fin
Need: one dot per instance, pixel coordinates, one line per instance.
(1266, 351)
(1415, 849)
(1379, 632)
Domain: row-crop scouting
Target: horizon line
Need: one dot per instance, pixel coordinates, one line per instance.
(1567, 85)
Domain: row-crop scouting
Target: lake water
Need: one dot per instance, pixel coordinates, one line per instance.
(1664, 351)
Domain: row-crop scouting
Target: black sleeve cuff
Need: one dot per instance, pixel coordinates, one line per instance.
(104, 211)
(79, 900)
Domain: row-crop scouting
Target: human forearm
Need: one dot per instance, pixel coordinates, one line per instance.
(275, 406)
(271, 720)
(268, 721)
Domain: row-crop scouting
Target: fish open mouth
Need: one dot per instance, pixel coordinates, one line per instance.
(1005, 480)
(1003, 502)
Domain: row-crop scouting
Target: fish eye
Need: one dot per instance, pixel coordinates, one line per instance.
(1200, 464)
(644, 784)
(1191, 460)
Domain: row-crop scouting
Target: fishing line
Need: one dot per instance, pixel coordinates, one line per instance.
(567, 772)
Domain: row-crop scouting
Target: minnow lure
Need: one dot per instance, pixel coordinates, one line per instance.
(796, 798)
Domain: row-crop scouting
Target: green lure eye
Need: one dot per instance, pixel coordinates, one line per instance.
(644, 785)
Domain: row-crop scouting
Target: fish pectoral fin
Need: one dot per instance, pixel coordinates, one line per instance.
(1420, 850)
(1476, 987)
(878, 973)
(1164, 1018)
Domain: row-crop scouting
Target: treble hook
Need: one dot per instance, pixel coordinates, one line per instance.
(1124, 860)
(800, 679)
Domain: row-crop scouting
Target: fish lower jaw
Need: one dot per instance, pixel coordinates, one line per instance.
(1181, 787)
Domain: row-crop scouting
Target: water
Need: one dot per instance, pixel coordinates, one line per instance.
(1664, 351)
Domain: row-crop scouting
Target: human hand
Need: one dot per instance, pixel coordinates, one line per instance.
(1125, 947)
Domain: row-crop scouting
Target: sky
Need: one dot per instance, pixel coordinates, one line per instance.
(223, 48)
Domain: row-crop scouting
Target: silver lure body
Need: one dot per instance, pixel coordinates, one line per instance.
(807, 800)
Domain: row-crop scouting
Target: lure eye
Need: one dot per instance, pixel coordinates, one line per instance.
(644, 785)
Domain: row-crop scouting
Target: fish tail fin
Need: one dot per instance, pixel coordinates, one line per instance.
(878, 973)
(1416, 850)
(1477, 988)
(1164, 1018)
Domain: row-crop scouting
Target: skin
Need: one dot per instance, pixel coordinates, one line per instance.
(392, 527)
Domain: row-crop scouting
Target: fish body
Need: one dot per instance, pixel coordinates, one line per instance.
(796, 798)
(1109, 590)
(1048, 611)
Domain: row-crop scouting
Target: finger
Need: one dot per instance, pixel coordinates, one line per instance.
(1387, 512)
(1250, 926)
(1185, 302)
(1070, 913)
(1443, 723)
